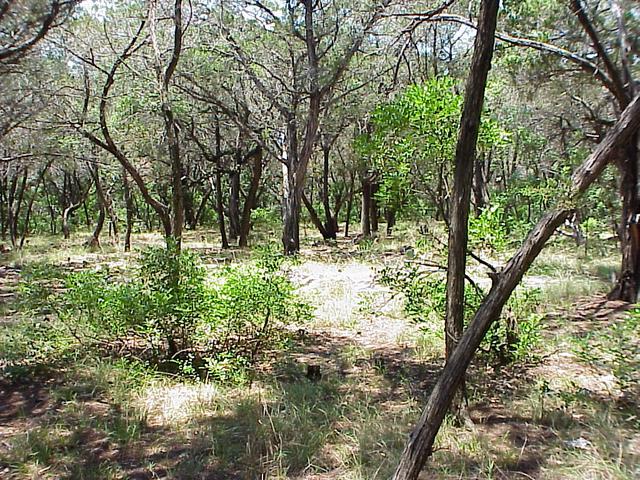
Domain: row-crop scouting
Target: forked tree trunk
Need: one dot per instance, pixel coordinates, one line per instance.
(420, 444)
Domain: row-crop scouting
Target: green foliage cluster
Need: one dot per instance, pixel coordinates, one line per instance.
(412, 142)
(170, 315)
(511, 339)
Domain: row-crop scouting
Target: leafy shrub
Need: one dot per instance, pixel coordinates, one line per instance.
(488, 230)
(169, 315)
(510, 339)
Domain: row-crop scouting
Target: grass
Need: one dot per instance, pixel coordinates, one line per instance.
(110, 418)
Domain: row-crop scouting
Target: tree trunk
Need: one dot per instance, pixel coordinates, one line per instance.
(330, 222)
(629, 280)
(94, 240)
(365, 213)
(463, 175)
(252, 197)
(220, 209)
(347, 222)
(234, 202)
(420, 444)
(128, 200)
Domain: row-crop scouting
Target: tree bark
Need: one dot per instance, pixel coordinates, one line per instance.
(347, 222)
(128, 200)
(626, 288)
(252, 197)
(234, 200)
(365, 213)
(420, 444)
(94, 240)
(220, 209)
(463, 175)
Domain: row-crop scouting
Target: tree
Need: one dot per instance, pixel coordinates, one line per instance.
(317, 51)
(464, 170)
(608, 56)
(421, 441)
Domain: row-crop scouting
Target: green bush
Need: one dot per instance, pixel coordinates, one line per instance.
(168, 314)
(510, 339)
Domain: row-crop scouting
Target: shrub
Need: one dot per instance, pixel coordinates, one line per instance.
(510, 339)
(169, 315)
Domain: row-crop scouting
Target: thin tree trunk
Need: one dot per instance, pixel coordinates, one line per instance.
(94, 240)
(463, 175)
(420, 444)
(347, 222)
(365, 213)
(128, 200)
(252, 198)
(220, 209)
(234, 202)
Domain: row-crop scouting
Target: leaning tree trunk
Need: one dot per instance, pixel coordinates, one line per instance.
(420, 445)
(629, 280)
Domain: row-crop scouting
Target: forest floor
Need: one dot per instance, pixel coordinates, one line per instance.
(570, 410)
